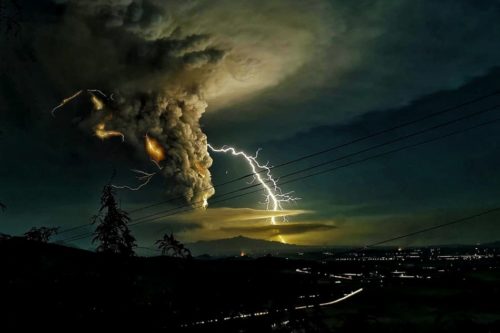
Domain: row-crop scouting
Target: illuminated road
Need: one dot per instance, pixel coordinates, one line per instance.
(265, 313)
(331, 302)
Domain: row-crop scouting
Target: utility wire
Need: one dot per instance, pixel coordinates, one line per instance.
(413, 233)
(342, 145)
(189, 208)
(345, 144)
(394, 238)
(373, 147)
(424, 230)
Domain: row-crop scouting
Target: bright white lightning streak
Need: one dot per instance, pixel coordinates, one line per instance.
(274, 196)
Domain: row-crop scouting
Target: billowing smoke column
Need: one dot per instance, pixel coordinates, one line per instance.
(151, 93)
(166, 126)
(156, 63)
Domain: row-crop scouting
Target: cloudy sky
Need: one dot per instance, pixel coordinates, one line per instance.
(289, 77)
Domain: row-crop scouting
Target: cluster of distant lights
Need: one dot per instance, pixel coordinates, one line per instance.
(397, 273)
(416, 254)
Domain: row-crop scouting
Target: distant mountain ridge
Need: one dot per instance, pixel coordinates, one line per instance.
(259, 247)
(243, 245)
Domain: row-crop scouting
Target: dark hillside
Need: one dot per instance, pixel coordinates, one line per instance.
(54, 284)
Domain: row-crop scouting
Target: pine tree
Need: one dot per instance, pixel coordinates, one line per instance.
(112, 231)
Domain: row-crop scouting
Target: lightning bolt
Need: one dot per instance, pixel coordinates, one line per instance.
(143, 176)
(66, 101)
(274, 196)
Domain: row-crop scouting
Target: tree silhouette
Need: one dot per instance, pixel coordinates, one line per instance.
(112, 231)
(41, 234)
(172, 247)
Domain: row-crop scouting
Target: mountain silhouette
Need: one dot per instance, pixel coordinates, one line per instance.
(243, 245)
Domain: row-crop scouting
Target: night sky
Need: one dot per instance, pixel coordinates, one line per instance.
(289, 77)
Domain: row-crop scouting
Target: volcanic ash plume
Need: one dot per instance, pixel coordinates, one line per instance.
(155, 64)
(166, 126)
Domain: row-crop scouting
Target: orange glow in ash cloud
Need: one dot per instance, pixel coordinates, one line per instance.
(154, 149)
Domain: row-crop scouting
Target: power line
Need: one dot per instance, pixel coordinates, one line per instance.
(367, 158)
(342, 145)
(158, 215)
(373, 147)
(410, 234)
(424, 230)
(189, 208)
(345, 144)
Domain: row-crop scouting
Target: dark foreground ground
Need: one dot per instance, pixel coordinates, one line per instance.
(55, 287)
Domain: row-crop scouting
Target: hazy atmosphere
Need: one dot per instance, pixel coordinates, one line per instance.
(288, 77)
(250, 166)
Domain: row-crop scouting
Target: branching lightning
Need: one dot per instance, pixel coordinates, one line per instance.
(274, 196)
(143, 176)
(156, 154)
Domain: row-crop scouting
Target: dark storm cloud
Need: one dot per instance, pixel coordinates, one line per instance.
(159, 58)
(162, 61)
(402, 192)
(383, 54)
(310, 73)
